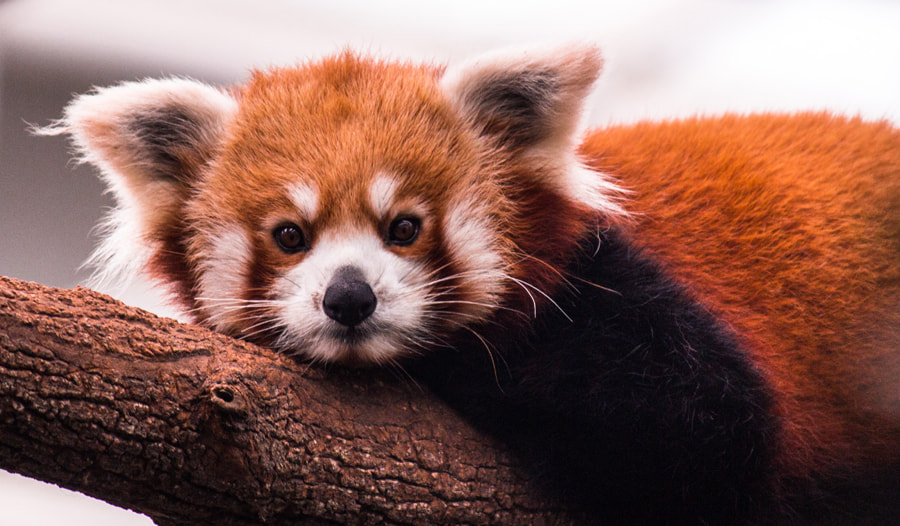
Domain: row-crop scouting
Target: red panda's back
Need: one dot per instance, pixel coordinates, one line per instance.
(788, 227)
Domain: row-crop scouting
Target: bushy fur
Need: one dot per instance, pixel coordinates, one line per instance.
(726, 350)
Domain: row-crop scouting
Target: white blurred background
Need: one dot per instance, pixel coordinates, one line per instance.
(665, 58)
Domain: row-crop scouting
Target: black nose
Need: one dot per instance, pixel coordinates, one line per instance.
(349, 299)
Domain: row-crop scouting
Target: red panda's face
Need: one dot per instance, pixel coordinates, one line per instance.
(345, 218)
(352, 209)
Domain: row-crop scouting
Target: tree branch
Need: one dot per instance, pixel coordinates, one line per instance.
(192, 427)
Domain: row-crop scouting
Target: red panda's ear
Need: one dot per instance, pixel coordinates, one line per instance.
(526, 99)
(530, 103)
(147, 133)
(150, 140)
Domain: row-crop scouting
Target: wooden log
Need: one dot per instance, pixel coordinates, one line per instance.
(191, 427)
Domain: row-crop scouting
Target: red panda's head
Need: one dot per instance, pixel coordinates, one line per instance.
(350, 209)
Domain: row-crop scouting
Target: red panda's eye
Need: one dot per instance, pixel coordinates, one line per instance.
(290, 238)
(403, 231)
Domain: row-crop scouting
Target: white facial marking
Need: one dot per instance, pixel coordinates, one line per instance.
(382, 194)
(223, 275)
(122, 253)
(471, 239)
(392, 330)
(305, 196)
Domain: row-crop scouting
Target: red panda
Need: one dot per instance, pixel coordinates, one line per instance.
(693, 321)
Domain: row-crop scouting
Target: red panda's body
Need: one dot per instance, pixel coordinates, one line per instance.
(788, 229)
(672, 322)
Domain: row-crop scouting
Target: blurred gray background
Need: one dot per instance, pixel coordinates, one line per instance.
(665, 58)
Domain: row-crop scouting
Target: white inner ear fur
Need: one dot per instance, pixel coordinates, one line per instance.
(574, 68)
(100, 125)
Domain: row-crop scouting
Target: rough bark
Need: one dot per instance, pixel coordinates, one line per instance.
(191, 427)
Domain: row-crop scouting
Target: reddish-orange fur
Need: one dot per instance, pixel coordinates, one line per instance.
(375, 117)
(788, 227)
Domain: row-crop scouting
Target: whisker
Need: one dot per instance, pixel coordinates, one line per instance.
(260, 327)
(239, 303)
(238, 300)
(396, 369)
(292, 282)
(458, 276)
(477, 304)
(595, 285)
(552, 268)
(521, 284)
(525, 284)
(490, 353)
(232, 308)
